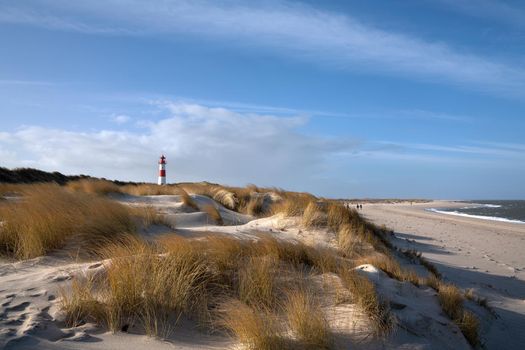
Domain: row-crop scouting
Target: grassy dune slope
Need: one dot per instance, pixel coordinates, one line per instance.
(260, 291)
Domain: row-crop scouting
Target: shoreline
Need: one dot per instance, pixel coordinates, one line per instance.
(481, 217)
(483, 255)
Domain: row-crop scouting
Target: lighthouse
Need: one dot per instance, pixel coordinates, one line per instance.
(162, 170)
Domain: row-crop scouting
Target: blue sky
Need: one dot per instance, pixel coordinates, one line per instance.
(414, 98)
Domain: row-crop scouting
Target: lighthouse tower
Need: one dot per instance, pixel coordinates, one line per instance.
(162, 170)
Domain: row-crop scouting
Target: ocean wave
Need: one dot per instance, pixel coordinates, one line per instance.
(477, 205)
(493, 218)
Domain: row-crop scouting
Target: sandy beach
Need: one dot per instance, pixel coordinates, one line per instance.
(487, 256)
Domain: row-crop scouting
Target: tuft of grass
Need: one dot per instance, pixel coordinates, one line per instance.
(225, 252)
(94, 186)
(257, 281)
(253, 328)
(349, 243)
(187, 200)
(292, 205)
(226, 198)
(152, 287)
(432, 281)
(313, 216)
(338, 216)
(307, 320)
(47, 215)
(365, 296)
(213, 213)
(296, 254)
(148, 215)
(451, 300)
(417, 257)
(391, 267)
(79, 305)
(469, 326)
(255, 206)
(149, 189)
(471, 295)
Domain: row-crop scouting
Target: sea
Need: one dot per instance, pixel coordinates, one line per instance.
(496, 210)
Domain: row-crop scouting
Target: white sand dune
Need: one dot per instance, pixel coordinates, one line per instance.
(487, 256)
(29, 294)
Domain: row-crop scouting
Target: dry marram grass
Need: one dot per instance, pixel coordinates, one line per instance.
(154, 284)
(47, 215)
(94, 186)
(307, 320)
(253, 328)
(365, 296)
(213, 213)
(257, 281)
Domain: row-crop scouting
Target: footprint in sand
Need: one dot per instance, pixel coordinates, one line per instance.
(16, 321)
(18, 307)
(61, 278)
(38, 294)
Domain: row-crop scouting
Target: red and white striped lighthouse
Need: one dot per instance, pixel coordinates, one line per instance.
(162, 170)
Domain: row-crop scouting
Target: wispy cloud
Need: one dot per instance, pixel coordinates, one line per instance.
(227, 146)
(202, 143)
(301, 31)
(120, 118)
(483, 150)
(425, 115)
(406, 114)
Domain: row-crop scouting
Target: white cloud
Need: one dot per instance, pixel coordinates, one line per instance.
(499, 150)
(201, 143)
(231, 147)
(120, 118)
(287, 28)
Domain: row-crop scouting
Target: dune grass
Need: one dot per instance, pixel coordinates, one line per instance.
(47, 215)
(468, 323)
(451, 300)
(391, 267)
(225, 197)
(213, 213)
(313, 216)
(365, 296)
(255, 206)
(79, 304)
(154, 289)
(292, 204)
(187, 200)
(149, 189)
(156, 284)
(307, 320)
(257, 281)
(253, 328)
(94, 186)
(153, 285)
(148, 215)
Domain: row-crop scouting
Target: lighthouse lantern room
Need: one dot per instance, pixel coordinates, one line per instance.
(162, 170)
